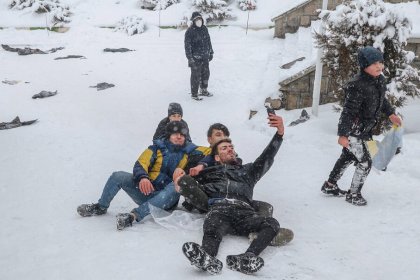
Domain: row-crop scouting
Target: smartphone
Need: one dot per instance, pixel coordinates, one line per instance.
(269, 109)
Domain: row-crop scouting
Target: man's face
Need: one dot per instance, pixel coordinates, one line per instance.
(375, 69)
(216, 136)
(177, 139)
(175, 117)
(226, 153)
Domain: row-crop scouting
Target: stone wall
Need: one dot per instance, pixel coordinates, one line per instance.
(304, 14)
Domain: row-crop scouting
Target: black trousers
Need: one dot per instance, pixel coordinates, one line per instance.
(357, 153)
(200, 74)
(240, 220)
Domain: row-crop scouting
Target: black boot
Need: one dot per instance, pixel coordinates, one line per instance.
(355, 199)
(94, 209)
(246, 263)
(332, 190)
(124, 220)
(205, 92)
(198, 257)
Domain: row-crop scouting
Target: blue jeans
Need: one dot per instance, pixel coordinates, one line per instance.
(164, 199)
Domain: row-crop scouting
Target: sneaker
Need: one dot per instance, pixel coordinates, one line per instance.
(202, 260)
(87, 210)
(124, 220)
(205, 92)
(355, 199)
(246, 263)
(283, 237)
(195, 97)
(332, 190)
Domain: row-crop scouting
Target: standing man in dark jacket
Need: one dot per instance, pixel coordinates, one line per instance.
(199, 52)
(364, 103)
(229, 186)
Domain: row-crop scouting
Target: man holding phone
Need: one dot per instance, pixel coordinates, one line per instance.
(229, 186)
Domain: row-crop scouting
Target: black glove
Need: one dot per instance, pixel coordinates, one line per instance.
(211, 57)
(191, 62)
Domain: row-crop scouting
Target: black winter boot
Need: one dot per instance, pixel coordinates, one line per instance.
(246, 263)
(198, 257)
(205, 92)
(332, 190)
(355, 199)
(87, 210)
(124, 220)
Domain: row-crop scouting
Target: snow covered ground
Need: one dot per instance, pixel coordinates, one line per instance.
(83, 135)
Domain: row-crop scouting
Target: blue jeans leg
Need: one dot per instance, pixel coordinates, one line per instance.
(118, 180)
(164, 199)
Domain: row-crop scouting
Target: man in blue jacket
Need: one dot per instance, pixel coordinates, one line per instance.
(199, 52)
(151, 181)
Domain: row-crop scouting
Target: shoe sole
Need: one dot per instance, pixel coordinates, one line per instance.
(356, 204)
(247, 265)
(329, 193)
(197, 257)
(283, 237)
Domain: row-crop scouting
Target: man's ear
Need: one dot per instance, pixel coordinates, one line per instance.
(208, 140)
(217, 158)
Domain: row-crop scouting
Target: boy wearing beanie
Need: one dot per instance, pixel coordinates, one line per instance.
(175, 113)
(364, 103)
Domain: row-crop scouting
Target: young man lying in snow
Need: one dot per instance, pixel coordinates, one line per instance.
(229, 186)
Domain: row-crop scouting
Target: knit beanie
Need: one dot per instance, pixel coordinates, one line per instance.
(176, 127)
(195, 15)
(174, 108)
(369, 55)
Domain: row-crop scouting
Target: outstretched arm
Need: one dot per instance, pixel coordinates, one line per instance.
(263, 163)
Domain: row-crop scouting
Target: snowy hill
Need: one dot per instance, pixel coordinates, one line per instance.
(83, 135)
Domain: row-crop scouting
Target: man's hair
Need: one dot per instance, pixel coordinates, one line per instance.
(218, 126)
(214, 150)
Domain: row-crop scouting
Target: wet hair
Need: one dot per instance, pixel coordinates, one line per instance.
(218, 126)
(214, 150)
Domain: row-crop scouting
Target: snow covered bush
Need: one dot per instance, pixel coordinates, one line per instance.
(157, 4)
(131, 25)
(213, 9)
(59, 13)
(246, 5)
(360, 23)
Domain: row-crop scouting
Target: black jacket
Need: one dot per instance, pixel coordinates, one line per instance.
(238, 181)
(364, 103)
(197, 43)
(160, 132)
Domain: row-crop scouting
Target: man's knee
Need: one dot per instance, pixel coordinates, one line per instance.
(187, 183)
(272, 223)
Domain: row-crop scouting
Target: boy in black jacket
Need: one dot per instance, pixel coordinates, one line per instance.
(174, 114)
(364, 103)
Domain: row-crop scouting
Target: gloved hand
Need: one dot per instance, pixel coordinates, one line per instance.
(191, 62)
(211, 57)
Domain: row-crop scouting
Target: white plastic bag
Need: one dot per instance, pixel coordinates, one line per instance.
(386, 149)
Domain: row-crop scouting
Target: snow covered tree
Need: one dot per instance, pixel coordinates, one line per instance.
(131, 25)
(246, 5)
(157, 4)
(360, 23)
(212, 10)
(59, 13)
